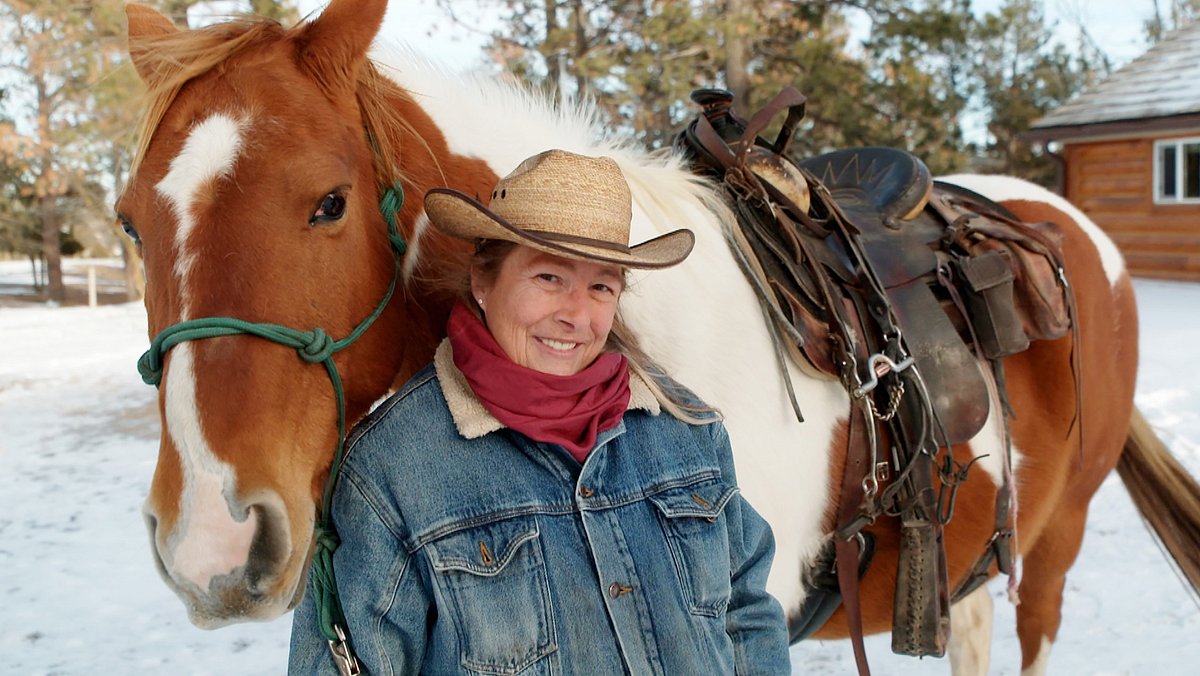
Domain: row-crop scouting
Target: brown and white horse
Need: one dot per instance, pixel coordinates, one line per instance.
(255, 196)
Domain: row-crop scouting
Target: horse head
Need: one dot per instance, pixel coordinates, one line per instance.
(255, 198)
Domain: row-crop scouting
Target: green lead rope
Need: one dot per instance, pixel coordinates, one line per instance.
(315, 347)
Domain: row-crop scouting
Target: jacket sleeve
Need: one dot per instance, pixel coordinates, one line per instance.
(382, 596)
(754, 620)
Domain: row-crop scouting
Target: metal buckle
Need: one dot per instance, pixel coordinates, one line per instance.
(343, 654)
(874, 368)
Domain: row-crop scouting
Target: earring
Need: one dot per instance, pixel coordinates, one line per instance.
(480, 301)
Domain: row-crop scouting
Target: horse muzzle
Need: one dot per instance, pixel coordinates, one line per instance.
(230, 566)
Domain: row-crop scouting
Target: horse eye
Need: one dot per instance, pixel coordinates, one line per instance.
(333, 207)
(130, 231)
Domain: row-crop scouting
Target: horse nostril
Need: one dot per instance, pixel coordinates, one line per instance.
(270, 548)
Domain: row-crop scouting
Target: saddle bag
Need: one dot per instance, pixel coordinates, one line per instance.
(1041, 297)
(987, 294)
(1039, 288)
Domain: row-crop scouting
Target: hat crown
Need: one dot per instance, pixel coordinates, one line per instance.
(574, 196)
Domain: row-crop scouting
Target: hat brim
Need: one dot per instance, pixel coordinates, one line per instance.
(459, 215)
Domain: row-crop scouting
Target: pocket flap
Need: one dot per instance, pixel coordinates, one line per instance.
(987, 270)
(698, 501)
(484, 550)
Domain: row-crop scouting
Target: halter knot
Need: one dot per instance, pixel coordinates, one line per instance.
(318, 348)
(149, 366)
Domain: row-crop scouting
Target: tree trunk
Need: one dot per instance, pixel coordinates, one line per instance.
(46, 190)
(737, 49)
(33, 268)
(581, 48)
(52, 249)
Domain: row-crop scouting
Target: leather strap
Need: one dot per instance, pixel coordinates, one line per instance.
(847, 548)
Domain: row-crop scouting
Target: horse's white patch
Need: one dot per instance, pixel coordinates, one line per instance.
(210, 151)
(1038, 666)
(212, 535)
(1004, 188)
(988, 444)
(971, 634)
(518, 124)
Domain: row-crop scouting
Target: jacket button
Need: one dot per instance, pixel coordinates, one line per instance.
(615, 589)
(585, 492)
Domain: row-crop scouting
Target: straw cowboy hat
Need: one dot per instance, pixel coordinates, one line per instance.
(561, 203)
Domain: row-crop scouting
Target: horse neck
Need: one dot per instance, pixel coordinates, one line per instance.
(410, 140)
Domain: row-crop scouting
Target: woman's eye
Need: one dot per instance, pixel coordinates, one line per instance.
(547, 277)
(333, 207)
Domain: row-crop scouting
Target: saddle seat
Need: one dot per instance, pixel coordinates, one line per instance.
(892, 183)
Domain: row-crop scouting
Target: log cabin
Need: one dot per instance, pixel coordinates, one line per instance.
(1130, 156)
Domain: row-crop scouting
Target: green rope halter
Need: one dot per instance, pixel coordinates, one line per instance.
(315, 347)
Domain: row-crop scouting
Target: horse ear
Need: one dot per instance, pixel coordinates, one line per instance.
(336, 43)
(145, 22)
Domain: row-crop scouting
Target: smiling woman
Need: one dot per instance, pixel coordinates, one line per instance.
(610, 509)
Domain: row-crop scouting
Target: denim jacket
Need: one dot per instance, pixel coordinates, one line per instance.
(468, 548)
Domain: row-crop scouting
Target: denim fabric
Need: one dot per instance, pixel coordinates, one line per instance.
(501, 555)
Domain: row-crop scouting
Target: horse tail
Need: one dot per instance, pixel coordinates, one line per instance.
(1165, 494)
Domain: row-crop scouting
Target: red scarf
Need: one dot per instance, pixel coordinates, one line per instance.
(565, 410)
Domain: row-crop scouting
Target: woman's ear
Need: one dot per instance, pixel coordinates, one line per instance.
(478, 289)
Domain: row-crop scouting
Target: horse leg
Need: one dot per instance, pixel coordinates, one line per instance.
(971, 634)
(1044, 575)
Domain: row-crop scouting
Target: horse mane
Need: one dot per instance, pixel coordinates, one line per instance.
(504, 121)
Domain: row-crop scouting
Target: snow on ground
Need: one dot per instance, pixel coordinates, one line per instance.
(79, 594)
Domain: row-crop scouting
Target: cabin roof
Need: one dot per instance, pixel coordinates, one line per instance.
(1163, 82)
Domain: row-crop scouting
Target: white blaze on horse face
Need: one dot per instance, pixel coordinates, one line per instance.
(1007, 188)
(212, 534)
(209, 154)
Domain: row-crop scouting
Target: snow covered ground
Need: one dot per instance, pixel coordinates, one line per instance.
(79, 594)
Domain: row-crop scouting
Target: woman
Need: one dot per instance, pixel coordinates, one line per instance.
(524, 504)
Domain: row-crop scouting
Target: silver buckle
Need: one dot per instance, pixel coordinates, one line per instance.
(343, 654)
(879, 365)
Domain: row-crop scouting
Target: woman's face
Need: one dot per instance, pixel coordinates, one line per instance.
(548, 313)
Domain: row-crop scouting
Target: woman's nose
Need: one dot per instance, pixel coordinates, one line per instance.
(573, 310)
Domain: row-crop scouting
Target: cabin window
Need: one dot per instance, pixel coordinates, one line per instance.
(1177, 171)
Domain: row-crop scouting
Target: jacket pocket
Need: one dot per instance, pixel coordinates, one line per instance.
(694, 523)
(494, 578)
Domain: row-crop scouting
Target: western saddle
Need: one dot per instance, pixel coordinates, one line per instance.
(910, 292)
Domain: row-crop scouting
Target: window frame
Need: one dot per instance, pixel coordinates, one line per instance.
(1178, 144)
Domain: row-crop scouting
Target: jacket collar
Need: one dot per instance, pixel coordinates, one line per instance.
(473, 420)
